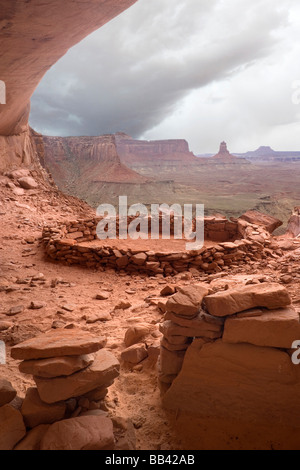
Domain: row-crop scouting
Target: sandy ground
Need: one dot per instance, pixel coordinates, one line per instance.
(135, 394)
(150, 244)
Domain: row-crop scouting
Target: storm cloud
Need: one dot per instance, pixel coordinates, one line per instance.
(203, 70)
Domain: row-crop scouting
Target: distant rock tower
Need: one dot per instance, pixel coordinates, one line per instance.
(224, 153)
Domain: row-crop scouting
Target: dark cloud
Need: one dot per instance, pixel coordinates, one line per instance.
(137, 72)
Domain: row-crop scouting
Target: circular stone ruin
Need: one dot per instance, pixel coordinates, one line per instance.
(227, 243)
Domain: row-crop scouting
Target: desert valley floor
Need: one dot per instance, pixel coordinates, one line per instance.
(67, 297)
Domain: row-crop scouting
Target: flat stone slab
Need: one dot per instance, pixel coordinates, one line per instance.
(202, 320)
(187, 301)
(101, 372)
(12, 428)
(135, 334)
(202, 330)
(82, 433)
(231, 301)
(56, 366)
(277, 328)
(58, 343)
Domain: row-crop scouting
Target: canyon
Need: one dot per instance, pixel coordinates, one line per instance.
(167, 171)
(106, 341)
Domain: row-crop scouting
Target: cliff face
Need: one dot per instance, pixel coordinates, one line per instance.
(33, 36)
(82, 160)
(157, 152)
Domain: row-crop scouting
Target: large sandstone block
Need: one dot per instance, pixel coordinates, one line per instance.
(56, 366)
(201, 329)
(170, 361)
(238, 382)
(236, 300)
(135, 334)
(139, 258)
(101, 372)
(258, 218)
(202, 323)
(36, 412)
(83, 433)
(58, 343)
(187, 300)
(27, 183)
(134, 354)
(12, 428)
(276, 328)
(33, 438)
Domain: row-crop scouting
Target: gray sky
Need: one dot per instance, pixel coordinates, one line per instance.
(202, 70)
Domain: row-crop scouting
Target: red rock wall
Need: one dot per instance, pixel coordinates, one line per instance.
(143, 151)
(85, 159)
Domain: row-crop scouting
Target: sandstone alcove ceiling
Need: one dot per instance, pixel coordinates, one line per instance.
(34, 35)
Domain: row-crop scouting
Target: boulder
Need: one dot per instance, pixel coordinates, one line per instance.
(237, 381)
(258, 218)
(139, 259)
(123, 305)
(276, 328)
(134, 334)
(18, 191)
(82, 433)
(101, 372)
(36, 412)
(58, 343)
(33, 438)
(134, 354)
(17, 174)
(167, 290)
(12, 428)
(56, 366)
(228, 302)
(7, 392)
(27, 183)
(187, 300)
(102, 296)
